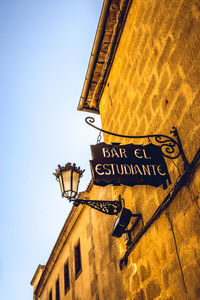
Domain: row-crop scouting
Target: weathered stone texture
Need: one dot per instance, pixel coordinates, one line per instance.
(153, 85)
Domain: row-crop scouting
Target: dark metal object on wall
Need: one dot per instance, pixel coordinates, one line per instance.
(122, 222)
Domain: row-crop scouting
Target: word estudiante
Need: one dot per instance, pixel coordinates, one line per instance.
(129, 169)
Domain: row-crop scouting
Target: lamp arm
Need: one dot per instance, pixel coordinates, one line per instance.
(106, 207)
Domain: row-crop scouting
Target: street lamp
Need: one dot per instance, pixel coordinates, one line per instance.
(69, 177)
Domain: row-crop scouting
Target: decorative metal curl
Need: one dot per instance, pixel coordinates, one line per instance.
(106, 207)
(170, 148)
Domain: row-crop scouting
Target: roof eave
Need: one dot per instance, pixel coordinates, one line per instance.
(93, 58)
(109, 30)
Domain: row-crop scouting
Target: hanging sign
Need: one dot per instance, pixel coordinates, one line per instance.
(128, 165)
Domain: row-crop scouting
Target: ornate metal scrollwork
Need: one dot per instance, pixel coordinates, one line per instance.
(170, 148)
(106, 207)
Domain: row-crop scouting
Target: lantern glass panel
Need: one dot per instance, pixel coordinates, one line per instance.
(75, 181)
(67, 180)
(61, 183)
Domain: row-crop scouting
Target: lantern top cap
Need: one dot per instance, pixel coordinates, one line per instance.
(67, 167)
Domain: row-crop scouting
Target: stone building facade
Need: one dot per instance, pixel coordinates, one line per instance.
(143, 78)
(98, 273)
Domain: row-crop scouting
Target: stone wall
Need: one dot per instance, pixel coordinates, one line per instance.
(100, 277)
(153, 85)
(105, 261)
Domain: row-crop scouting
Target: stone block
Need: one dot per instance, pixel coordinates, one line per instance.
(155, 101)
(143, 60)
(89, 230)
(165, 54)
(148, 113)
(156, 258)
(151, 206)
(91, 256)
(192, 56)
(157, 121)
(180, 204)
(139, 296)
(157, 26)
(151, 62)
(153, 289)
(166, 26)
(177, 111)
(93, 287)
(173, 88)
(140, 11)
(147, 12)
(154, 12)
(97, 296)
(163, 251)
(180, 50)
(148, 92)
(134, 281)
(194, 78)
(145, 272)
(188, 228)
(164, 81)
(144, 43)
(165, 277)
(192, 278)
(195, 141)
(136, 254)
(182, 18)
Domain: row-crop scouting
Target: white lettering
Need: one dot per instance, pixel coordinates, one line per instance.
(159, 169)
(108, 172)
(113, 170)
(154, 171)
(122, 169)
(145, 156)
(98, 171)
(137, 169)
(125, 169)
(122, 152)
(146, 169)
(106, 153)
(136, 153)
(132, 171)
(114, 152)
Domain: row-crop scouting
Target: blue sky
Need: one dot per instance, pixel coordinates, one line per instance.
(45, 47)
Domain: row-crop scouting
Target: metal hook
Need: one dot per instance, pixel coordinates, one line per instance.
(99, 137)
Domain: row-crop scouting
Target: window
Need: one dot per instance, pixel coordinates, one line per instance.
(50, 295)
(66, 277)
(77, 256)
(57, 290)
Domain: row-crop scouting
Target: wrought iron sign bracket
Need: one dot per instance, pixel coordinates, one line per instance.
(170, 147)
(106, 207)
(176, 135)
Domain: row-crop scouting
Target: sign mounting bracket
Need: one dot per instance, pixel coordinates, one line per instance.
(170, 147)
